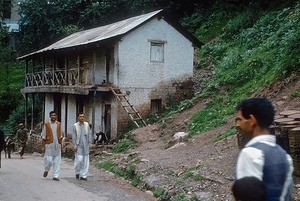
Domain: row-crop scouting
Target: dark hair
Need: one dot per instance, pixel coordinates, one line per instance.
(52, 112)
(79, 113)
(261, 108)
(249, 189)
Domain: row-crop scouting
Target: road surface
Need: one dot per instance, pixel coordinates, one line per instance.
(22, 180)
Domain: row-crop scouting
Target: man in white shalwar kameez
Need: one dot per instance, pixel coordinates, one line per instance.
(52, 139)
(81, 139)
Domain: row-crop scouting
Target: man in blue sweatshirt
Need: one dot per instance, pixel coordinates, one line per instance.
(262, 157)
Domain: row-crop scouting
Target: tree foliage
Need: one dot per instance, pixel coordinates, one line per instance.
(46, 21)
(10, 76)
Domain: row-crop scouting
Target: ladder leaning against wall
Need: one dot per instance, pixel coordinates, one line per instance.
(135, 117)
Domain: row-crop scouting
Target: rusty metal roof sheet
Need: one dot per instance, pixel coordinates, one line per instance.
(104, 32)
(97, 34)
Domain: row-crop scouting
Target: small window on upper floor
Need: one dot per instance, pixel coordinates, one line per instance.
(157, 52)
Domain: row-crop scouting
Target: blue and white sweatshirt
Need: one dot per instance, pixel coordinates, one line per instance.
(267, 161)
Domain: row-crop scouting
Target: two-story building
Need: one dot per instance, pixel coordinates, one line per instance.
(114, 73)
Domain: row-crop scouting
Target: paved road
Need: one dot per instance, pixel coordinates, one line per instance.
(22, 180)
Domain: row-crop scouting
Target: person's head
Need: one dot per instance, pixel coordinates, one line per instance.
(254, 114)
(52, 116)
(21, 126)
(80, 117)
(249, 189)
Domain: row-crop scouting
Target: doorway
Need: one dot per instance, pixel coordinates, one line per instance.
(107, 120)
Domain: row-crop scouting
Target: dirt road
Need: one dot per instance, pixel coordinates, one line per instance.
(21, 179)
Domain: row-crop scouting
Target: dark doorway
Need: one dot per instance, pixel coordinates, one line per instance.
(156, 106)
(57, 105)
(79, 104)
(107, 121)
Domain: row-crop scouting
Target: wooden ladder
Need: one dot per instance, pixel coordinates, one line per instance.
(135, 117)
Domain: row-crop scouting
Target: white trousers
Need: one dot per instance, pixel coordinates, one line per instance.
(54, 161)
(81, 165)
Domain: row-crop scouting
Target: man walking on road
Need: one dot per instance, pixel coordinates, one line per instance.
(262, 157)
(52, 139)
(81, 139)
(22, 139)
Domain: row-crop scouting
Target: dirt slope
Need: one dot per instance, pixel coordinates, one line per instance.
(172, 168)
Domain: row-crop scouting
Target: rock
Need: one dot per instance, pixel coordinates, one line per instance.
(144, 160)
(285, 97)
(280, 103)
(149, 193)
(177, 138)
(180, 136)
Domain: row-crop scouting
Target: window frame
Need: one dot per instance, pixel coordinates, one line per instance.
(159, 44)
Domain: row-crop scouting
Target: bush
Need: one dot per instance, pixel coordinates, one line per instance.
(125, 144)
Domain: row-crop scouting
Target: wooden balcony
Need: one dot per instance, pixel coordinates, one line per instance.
(72, 81)
(53, 78)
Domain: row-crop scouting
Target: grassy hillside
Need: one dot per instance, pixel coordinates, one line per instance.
(248, 49)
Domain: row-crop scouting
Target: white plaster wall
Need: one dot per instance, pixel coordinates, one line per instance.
(135, 71)
(63, 113)
(49, 106)
(71, 113)
(135, 68)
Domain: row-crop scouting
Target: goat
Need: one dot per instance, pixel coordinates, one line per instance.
(100, 138)
(9, 146)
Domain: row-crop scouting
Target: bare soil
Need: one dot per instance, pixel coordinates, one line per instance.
(172, 168)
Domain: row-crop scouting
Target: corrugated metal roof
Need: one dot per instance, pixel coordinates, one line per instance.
(102, 33)
(97, 34)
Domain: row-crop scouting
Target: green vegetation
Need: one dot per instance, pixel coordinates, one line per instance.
(227, 133)
(192, 174)
(296, 92)
(183, 197)
(127, 171)
(125, 144)
(252, 51)
(11, 82)
(162, 194)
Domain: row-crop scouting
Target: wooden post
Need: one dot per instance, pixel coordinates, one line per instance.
(32, 111)
(93, 114)
(93, 70)
(66, 117)
(26, 106)
(78, 68)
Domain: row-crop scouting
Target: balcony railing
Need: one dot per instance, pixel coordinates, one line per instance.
(57, 77)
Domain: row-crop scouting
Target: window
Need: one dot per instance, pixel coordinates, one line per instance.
(157, 52)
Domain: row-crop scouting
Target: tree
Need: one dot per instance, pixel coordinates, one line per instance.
(46, 21)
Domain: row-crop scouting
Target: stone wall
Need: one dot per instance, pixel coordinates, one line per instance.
(34, 143)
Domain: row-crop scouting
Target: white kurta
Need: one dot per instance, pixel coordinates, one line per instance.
(81, 139)
(52, 151)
